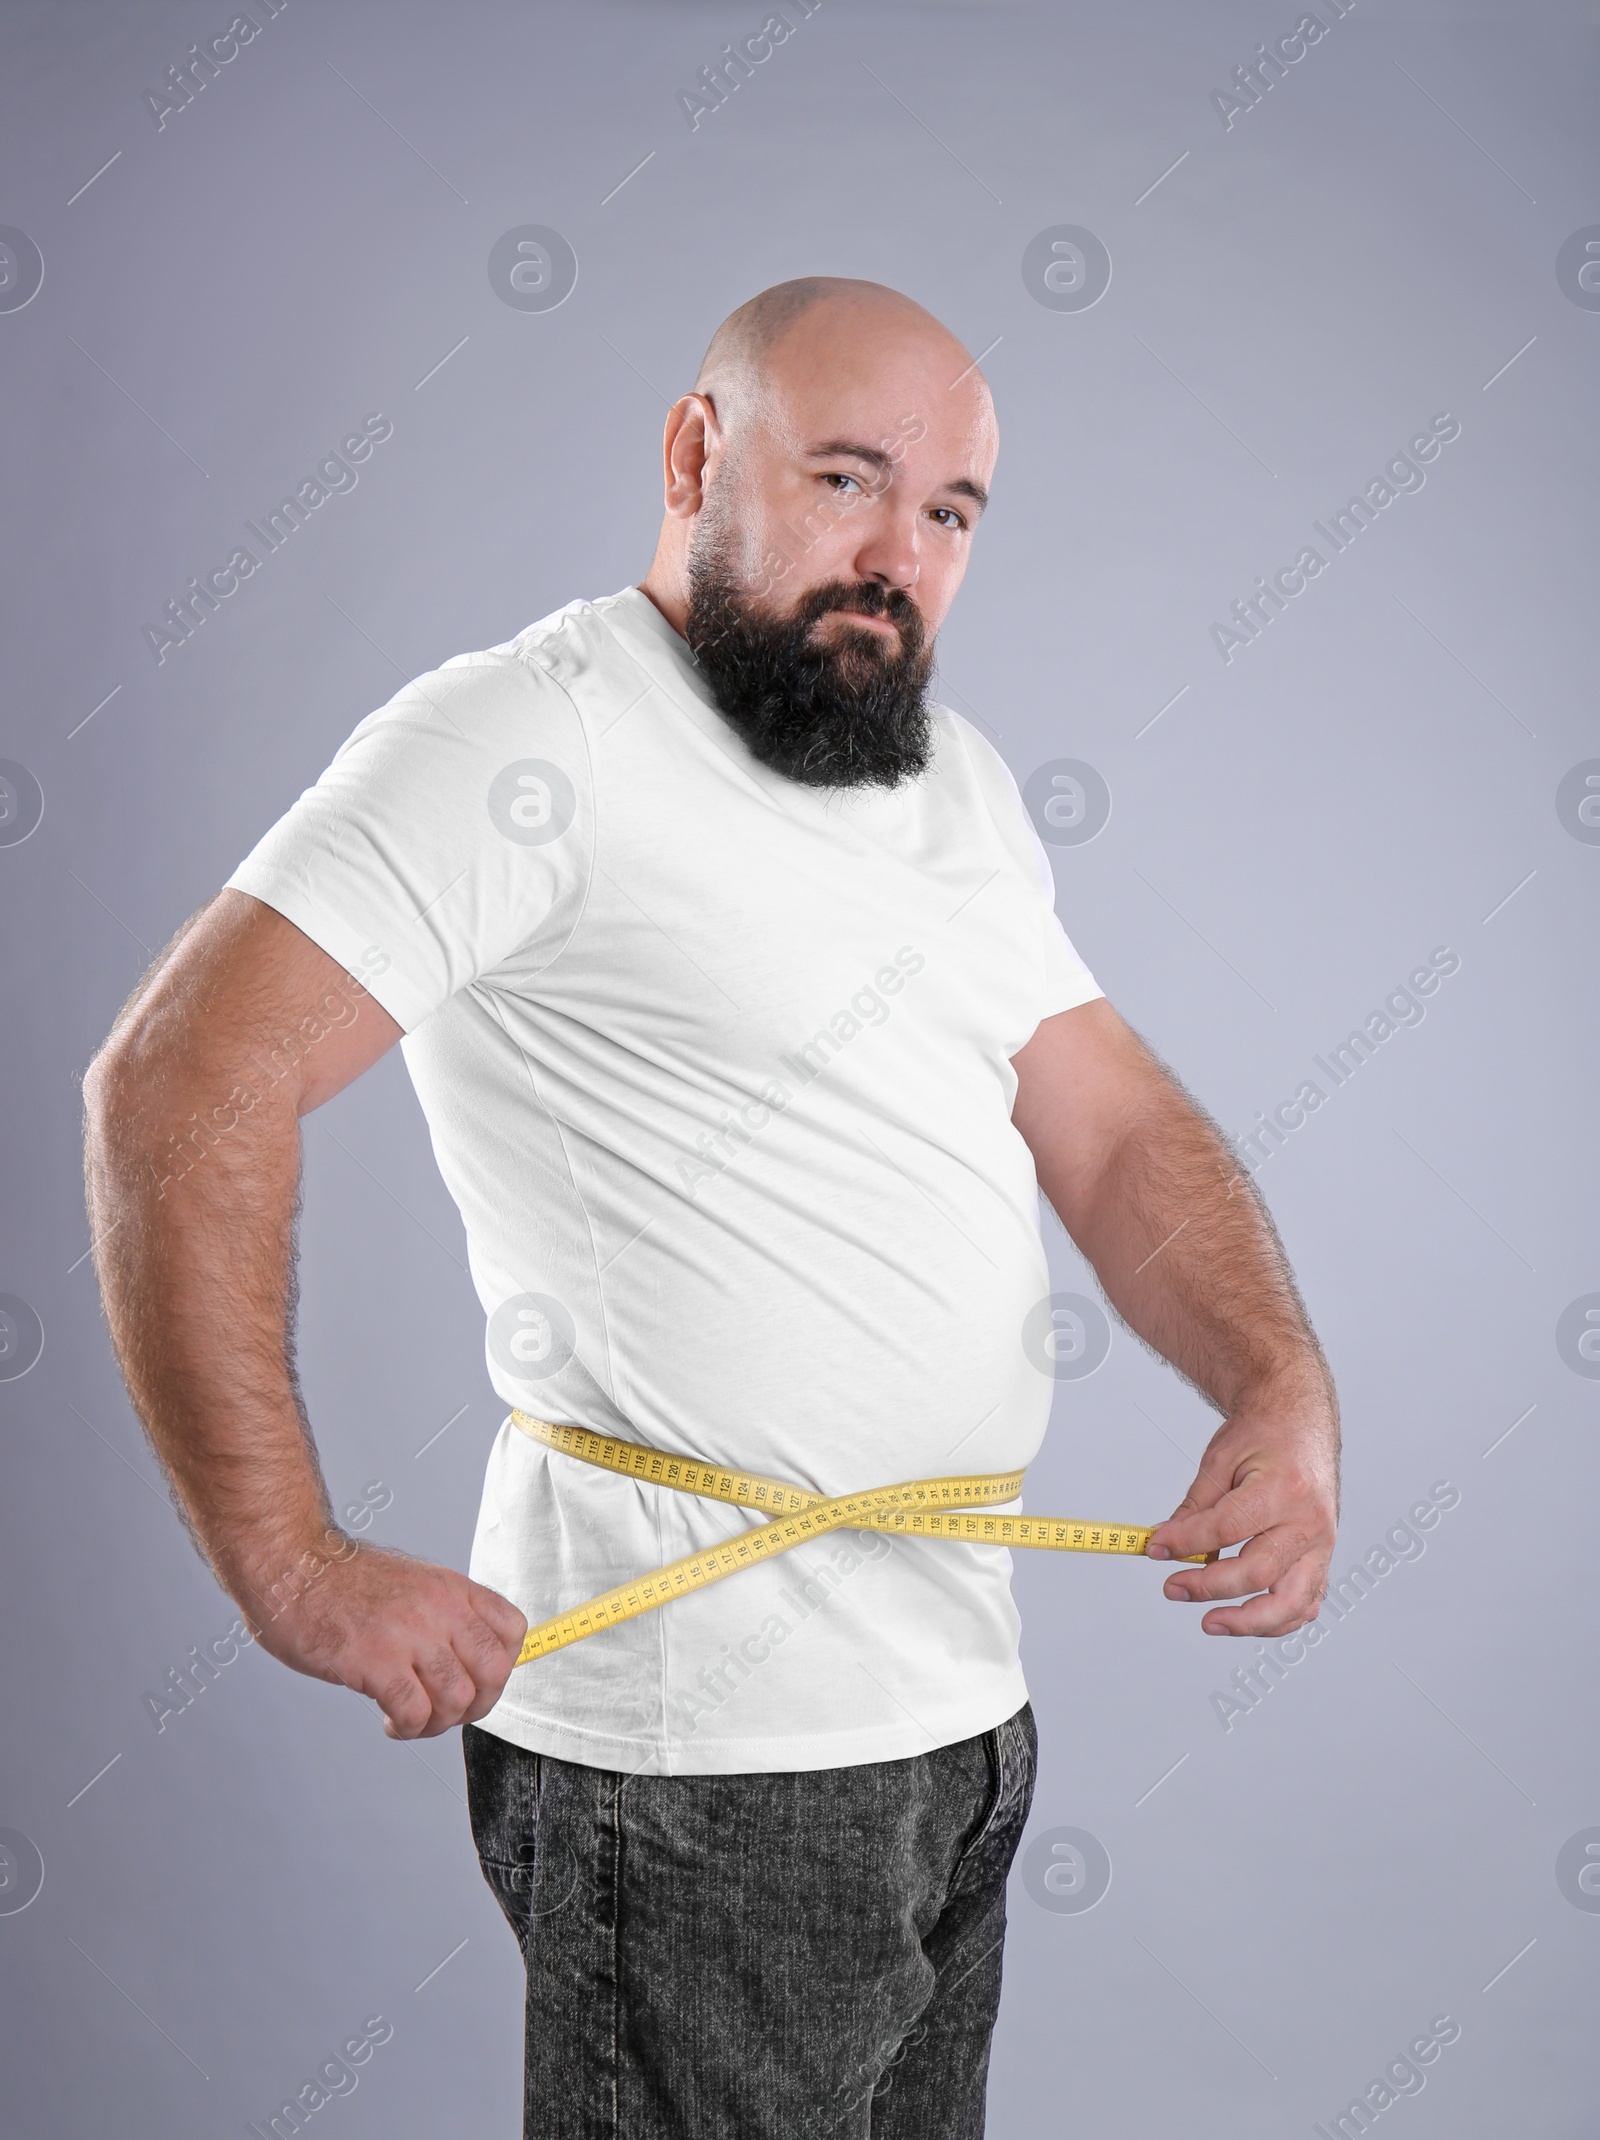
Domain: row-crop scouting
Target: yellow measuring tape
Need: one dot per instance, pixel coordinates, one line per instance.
(920, 1508)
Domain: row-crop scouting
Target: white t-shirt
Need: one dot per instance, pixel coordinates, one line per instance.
(717, 1068)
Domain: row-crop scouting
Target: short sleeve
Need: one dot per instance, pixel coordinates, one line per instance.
(1067, 981)
(453, 828)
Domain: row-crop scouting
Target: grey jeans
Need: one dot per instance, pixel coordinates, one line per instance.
(735, 1957)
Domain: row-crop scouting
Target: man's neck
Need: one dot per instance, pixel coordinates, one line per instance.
(667, 598)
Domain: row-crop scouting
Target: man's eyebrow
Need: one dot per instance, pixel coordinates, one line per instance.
(875, 458)
(872, 455)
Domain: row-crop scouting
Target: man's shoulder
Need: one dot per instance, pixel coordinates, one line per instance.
(542, 657)
(488, 699)
(579, 631)
(529, 648)
(589, 646)
(575, 618)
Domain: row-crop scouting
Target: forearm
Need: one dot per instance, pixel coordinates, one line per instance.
(193, 1198)
(1189, 1256)
(1146, 1187)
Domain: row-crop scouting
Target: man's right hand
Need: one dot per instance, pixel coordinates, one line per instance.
(431, 1647)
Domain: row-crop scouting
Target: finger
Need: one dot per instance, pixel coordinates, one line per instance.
(412, 1692)
(403, 1704)
(1263, 1562)
(449, 1685)
(508, 1624)
(1207, 1488)
(488, 1643)
(1227, 1520)
(489, 1691)
(488, 1661)
(1286, 1606)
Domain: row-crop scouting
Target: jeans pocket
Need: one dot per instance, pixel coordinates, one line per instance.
(512, 1887)
(503, 1805)
(1013, 1754)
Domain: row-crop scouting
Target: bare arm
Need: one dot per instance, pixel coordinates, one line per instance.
(1189, 1258)
(193, 1109)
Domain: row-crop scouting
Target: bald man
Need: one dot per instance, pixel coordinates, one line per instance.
(726, 968)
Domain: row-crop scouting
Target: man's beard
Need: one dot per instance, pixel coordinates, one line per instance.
(846, 714)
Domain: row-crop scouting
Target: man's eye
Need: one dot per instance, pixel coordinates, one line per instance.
(841, 479)
(948, 517)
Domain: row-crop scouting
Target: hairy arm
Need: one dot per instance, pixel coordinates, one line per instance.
(1189, 1258)
(193, 1162)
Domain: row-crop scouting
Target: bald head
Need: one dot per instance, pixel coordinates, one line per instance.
(745, 361)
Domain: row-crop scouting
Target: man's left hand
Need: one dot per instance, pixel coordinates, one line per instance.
(1268, 1482)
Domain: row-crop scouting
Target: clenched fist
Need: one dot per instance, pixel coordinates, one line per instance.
(431, 1647)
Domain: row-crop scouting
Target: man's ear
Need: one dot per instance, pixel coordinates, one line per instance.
(693, 434)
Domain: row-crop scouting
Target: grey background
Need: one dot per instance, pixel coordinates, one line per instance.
(1301, 1894)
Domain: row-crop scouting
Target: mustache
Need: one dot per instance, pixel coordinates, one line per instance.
(866, 599)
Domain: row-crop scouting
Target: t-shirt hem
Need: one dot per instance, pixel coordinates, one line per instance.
(901, 1740)
(1068, 995)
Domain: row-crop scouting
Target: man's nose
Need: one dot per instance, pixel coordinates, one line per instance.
(888, 555)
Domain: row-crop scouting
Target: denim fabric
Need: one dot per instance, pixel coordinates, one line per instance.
(810, 1953)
